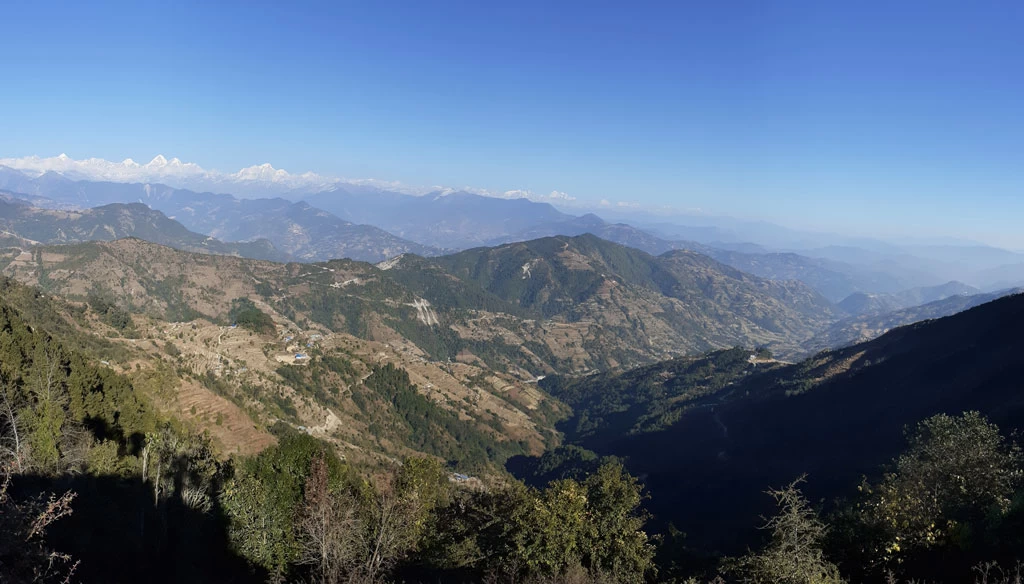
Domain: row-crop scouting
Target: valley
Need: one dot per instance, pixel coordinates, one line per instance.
(556, 348)
(705, 428)
(547, 360)
(511, 293)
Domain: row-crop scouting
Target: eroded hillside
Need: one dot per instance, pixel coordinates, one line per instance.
(413, 355)
(556, 305)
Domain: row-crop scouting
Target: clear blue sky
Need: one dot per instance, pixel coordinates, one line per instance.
(869, 117)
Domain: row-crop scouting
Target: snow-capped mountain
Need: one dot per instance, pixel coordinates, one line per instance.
(99, 169)
(262, 180)
(255, 181)
(444, 218)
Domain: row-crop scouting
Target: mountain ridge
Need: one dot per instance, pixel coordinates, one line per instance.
(589, 317)
(837, 416)
(20, 218)
(297, 229)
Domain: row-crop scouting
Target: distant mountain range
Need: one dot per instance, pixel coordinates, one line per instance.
(863, 304)
(331, 226)
(315, 218)
(865, 327)
(22, 224)
(254, 181)
(457, 220)
(297, 229)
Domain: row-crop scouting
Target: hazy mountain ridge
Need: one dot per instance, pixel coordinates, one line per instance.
(116, 221)
(297, 229)
(862, 328)
(833, 279)
(930, 265)
(863, 304)
(457, 220)
(372, 223)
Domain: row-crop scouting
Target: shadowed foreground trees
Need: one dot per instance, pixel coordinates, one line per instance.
(351, 536)
(143, 508)
(25, 553)
(952, 500)
(593, 527)
(298, 513)
(117, 535)
(328, 525)
(957, 472)
(794, 554)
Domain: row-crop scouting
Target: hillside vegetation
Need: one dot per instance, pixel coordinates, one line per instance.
(725, 423)
(99, 483)
(256, 437)
(553, 305)
(304, 409)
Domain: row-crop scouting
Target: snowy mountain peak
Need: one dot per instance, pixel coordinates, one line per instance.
(260, 180)
(254, 181)
(267, 172)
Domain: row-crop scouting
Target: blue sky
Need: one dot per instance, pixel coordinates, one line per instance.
(883, 118)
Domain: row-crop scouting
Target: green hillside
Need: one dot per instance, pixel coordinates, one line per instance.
(728, 428)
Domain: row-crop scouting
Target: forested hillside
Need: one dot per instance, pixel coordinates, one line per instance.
(709, 429)
(99, 484)
(245, 420)
(138, 495)
(680, 299)
(555, 305)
